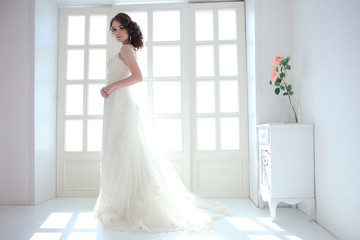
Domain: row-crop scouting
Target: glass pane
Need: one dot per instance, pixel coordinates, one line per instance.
(142, 20)
(140, 93)
(97, 64)
(230, 133)
(166, 26)
(98, 29)
(142, 57)
(73, 135)
(75, 65)
(204, 25)
(166, 61)
(94, 135)
(206, 134)
(167, 97)
(229, 97)
(76, 30)
(204, 61)
(205, 97)
(227, 24)
(95, 100)
(168, 134)
(228, 60)
(74, 99)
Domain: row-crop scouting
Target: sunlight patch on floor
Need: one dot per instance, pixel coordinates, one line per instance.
(271, 224)
(82, 236)
(62, 220)
(293, 238)
(86, 221)
(245, 224)
(263, 237)
(46, 236)
(57, 220)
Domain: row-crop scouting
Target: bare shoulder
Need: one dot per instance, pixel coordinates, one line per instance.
(127, 50)
(126, 53)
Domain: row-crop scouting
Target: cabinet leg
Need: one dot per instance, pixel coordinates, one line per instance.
(260, 200)
(311, 209)
(272, 205)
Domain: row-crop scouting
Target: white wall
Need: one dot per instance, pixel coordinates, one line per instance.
(17, 101)
(327, 58)
(27, 101)
(275, 24)
(323, 39)
(46, 38)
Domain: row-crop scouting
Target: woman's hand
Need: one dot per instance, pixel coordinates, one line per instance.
(105, 91)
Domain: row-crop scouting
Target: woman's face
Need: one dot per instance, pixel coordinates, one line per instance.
(120, 33)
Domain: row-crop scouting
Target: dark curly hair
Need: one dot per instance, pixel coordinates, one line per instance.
(134, 31)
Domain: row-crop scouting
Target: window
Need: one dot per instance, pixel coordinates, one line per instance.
(193, 95)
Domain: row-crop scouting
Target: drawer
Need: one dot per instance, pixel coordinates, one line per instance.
(264, 137)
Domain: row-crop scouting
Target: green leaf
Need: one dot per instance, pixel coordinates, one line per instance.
(282, 88)
(277, 91)
(289, 88)
(285, 93)
(288, 67)
(282, 75)
(270, 82)
(292, 93)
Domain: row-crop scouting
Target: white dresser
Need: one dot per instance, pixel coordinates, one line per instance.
(286, 166)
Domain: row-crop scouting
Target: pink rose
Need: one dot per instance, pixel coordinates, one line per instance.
(277, 60)
(274, 76)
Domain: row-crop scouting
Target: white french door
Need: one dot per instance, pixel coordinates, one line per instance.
(83, 52)
(219, 129)
(193, 95)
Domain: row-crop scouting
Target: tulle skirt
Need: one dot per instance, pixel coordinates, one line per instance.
(139, 187)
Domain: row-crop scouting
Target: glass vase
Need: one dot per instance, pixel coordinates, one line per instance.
(292, 113)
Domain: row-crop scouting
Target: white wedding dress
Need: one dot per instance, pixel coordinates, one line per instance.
(139, 188)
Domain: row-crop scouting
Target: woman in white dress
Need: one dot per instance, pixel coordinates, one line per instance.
(139, 188)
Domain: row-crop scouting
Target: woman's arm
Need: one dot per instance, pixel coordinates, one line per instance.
(128, 57)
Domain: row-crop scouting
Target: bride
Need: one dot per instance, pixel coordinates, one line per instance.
(139, 188)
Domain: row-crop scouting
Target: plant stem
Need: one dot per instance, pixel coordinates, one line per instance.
(292, 106)
(296, 118)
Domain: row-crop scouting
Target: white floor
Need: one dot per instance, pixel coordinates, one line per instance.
(71, 219)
